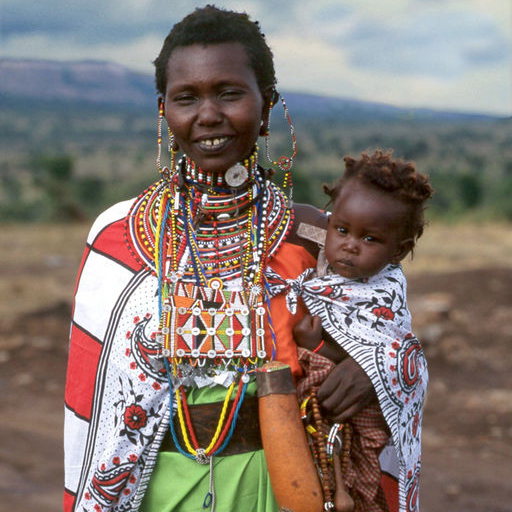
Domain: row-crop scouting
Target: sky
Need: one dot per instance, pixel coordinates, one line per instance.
(443, 54)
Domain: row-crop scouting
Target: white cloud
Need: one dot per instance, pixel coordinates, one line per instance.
(136, 54)
(312, 66)
(433, 53)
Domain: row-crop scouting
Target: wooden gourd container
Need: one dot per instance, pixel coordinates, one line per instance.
(292, 472)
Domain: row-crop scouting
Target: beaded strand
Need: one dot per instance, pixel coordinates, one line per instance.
(323, 447)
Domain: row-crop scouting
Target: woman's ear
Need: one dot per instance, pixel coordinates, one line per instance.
(270, 96)
(403, 249)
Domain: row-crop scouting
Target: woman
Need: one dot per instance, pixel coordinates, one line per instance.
(171, 305)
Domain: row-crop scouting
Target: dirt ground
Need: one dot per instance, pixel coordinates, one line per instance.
(464, 318)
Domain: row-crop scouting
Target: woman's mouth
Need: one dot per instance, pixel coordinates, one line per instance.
(212, 144)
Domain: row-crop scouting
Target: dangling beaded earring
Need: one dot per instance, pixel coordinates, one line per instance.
(164, 171)
(173, 149)
(284, 162)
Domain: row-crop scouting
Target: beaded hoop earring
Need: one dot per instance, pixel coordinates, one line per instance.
(173, 149)
(285, 163)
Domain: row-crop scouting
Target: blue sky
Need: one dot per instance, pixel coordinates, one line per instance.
(443, 54)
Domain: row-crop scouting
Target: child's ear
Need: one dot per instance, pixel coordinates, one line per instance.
(403, 249)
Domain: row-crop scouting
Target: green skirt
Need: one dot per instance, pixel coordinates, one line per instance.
(180, 484)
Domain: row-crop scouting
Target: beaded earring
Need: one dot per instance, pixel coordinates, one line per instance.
(173, 149)
(172, 146)
(284, 162)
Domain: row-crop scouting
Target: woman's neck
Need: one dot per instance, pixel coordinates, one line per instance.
(238, 177)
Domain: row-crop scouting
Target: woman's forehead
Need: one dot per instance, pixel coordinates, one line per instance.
(198, 59)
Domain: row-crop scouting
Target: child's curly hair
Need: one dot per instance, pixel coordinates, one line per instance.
(395, 177)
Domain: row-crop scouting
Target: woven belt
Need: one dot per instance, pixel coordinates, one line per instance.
(246, 435)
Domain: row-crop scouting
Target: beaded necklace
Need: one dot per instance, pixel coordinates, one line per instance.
(197, 233)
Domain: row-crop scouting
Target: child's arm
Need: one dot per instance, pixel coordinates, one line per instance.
(308, 333)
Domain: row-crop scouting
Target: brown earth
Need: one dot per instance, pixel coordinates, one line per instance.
(464, 319)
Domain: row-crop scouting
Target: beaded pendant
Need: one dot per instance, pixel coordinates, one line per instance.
(198, 237)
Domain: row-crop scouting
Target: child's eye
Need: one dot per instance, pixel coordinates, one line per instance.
(341, 230)
(369, 238)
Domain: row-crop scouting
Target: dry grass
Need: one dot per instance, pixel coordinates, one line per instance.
(38, 263)
(449, 248)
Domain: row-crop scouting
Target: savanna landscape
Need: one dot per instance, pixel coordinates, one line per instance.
(62, 163)
(462, 308)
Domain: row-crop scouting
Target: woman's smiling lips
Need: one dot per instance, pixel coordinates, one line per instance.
(213, 143)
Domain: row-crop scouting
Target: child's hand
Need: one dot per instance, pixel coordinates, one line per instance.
(308, 332)
(346, 391)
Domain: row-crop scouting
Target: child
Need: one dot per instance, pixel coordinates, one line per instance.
(357, 305)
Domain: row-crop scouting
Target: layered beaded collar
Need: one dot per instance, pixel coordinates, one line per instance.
(196, 228)
(209, 220)
(241, 175)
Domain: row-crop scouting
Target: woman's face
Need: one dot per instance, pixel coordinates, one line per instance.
(213, 104)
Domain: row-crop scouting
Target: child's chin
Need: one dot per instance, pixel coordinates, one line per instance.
(347, 271)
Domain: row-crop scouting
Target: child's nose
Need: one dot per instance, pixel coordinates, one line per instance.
(350, 245)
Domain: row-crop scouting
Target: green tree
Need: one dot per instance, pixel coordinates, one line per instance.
(470, 190)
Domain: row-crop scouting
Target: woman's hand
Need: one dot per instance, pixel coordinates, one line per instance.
(346, 391)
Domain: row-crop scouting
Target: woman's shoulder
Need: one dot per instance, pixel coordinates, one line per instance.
(311, 215)
(110, 216)
(309, 227)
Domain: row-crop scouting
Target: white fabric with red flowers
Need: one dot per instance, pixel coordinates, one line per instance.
(369, 318)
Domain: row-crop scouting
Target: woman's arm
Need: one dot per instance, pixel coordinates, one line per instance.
(346, 391)
(310, 216)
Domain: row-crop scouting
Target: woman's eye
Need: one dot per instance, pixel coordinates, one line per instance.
(230, 94)
(184, 99)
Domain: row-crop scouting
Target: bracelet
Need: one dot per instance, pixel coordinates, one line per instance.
(320, 345)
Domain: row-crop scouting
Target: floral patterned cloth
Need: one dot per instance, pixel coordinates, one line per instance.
(369, 318)
(117, 395)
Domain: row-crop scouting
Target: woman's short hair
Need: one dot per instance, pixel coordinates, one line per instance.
(211, 25)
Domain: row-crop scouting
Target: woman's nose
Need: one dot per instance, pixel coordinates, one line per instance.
(209, 112)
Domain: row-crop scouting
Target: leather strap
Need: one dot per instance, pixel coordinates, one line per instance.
(246, 436)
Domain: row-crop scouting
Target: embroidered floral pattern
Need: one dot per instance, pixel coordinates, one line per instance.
(369, 318)
(135, 417)
(383, 312)
(132, 416)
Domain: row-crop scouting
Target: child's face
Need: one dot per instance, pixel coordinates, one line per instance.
(365, 231)
(213, 104)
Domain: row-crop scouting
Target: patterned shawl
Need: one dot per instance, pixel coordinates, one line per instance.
(117, 395)
(370, 320)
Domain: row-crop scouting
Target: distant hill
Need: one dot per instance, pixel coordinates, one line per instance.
(88, 83)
